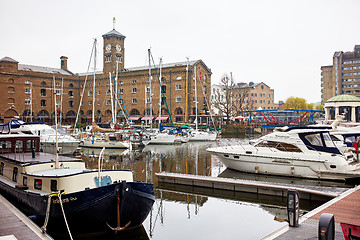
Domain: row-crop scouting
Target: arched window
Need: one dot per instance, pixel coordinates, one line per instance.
(43, 83)
(71, 85)
(11, 81)
(134, 112)
(178, 111)
(11, 100)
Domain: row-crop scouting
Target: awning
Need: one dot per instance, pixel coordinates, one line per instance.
(133, 118)
(164, 118)
(146, 118)
(239, 117)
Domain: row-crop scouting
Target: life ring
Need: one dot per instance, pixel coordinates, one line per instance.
(180, 134)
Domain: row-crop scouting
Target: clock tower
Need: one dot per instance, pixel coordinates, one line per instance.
(114, 51)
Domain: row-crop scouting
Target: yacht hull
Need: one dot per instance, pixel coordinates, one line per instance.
(284, 164)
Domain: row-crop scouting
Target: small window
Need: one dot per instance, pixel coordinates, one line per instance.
(133, 81)
(43, 103)
(1, 168)
(43, 92)
(134, 101)
(71, 104)
(178, 78)
(25, 181)
(134, 90)
(178, 87)
(57, 84)
(38, 184)
(53, 185)
(71, 85)
(15, 174)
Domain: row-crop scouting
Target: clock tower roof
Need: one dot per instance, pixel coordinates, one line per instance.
(113, 33)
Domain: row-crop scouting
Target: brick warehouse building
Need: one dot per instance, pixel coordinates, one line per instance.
(26, 89)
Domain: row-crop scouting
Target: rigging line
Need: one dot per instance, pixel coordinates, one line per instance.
(162, 93)
(121, 102)
(82, 95)
(207, 103)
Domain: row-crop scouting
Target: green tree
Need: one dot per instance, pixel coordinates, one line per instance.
(295, 103)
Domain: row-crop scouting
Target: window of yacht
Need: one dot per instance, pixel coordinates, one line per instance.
(38, 184)
(15, 173)
(281, 146)
(327, 140)
(25, 181)
(2, 168)
(314, 139)
(53, 185)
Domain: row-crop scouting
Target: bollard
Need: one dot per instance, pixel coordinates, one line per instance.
(293, 208)
(326, 226)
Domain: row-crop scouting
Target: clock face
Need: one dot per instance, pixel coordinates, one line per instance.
(118, 47)
(108, 47)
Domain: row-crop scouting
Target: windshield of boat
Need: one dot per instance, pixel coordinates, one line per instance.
(320, 141)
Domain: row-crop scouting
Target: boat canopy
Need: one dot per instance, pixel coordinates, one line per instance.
(319, 141)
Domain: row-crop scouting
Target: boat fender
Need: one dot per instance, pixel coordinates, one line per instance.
(256, 169)
(292, 169)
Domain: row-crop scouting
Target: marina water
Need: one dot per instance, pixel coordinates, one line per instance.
(196, 213)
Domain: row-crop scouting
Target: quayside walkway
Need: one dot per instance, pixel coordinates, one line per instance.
(345, 208)
(15, 225)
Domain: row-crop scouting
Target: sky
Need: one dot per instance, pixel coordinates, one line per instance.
(282, 43)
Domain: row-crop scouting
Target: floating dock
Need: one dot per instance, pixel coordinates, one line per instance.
(15, 225)
(317, 193)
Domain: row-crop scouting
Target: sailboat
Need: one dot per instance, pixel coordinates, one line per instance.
(196, 134)
(163, 136)
(61, 194)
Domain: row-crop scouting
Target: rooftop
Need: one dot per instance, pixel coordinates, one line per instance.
(344, 98)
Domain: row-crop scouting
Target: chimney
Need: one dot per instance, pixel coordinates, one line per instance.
(63, 62)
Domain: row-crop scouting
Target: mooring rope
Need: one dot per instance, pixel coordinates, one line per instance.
(43, 228)
(62, 209)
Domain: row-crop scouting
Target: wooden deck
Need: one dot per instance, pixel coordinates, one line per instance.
(14, 223)
(346, 209)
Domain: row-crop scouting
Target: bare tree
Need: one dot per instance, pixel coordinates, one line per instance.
(222, 97)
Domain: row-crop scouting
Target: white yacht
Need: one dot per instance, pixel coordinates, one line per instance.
(197, 135)
(299, 152)
(67, 144)
(168, 138)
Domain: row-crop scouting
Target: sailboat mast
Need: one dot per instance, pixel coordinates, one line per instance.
(61, 97)
(111, 99)
(150, 89)
(196, 101)
(56, 131)
(160, 95)
(93, 102)
(116, 90)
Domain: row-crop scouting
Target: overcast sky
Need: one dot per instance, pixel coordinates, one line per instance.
(282, 43)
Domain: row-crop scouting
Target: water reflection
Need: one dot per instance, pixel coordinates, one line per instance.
(191, 212)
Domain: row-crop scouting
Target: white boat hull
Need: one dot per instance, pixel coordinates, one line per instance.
(202, 136)
(164, 138)
(316, 166)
